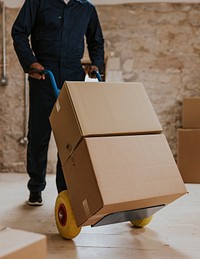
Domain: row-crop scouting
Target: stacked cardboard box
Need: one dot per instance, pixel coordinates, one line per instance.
(114, 155)
(19, 244)
(188, 152)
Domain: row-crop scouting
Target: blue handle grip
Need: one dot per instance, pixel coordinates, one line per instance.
(98, 76)
(53, 82)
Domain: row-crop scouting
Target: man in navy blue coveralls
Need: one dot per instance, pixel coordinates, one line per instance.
(56, 29)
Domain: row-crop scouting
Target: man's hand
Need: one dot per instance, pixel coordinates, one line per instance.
(91, 71)
(37, 74)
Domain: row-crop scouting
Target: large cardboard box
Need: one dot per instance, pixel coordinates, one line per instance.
(86, 109)
(188, 154)
(110, 174)
(19, 244)
(191, 113)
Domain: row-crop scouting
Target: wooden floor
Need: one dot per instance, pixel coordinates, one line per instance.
(173, 233)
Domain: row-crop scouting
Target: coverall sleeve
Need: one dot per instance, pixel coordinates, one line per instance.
(21, 30)
(95, 41)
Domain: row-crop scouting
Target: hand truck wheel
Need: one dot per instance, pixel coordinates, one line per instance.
(64, 217)
(140, 223)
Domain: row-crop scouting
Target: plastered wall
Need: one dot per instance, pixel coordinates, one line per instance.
(157, 44)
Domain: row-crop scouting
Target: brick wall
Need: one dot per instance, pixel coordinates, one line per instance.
(156, 44)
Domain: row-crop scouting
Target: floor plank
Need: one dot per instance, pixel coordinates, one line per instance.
(173, 233)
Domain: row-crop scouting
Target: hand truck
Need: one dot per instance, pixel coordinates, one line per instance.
(64, 216)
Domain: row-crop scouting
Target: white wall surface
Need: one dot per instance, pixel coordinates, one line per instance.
(18, 3)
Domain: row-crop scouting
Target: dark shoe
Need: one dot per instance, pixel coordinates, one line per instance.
(35, 199)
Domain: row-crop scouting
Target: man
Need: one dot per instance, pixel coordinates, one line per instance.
(56, 29)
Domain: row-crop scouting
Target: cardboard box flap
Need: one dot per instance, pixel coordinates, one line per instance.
(143, 162)
(110, 108)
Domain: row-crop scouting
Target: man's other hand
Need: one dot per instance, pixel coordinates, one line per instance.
(91, 71)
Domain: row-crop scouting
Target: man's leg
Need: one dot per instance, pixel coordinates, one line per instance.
(60, 180)
(39, 133)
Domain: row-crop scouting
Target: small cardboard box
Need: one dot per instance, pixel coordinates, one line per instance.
(86, 109)
(191, 113)
(19, 244)
(110, 174)
(188, 154)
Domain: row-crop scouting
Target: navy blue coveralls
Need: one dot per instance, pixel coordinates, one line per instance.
(56, 31)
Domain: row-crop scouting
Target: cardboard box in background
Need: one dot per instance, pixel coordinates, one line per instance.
(100, 109)
(110, 174)
(19, 244)
(191, 113)
(188, 154)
